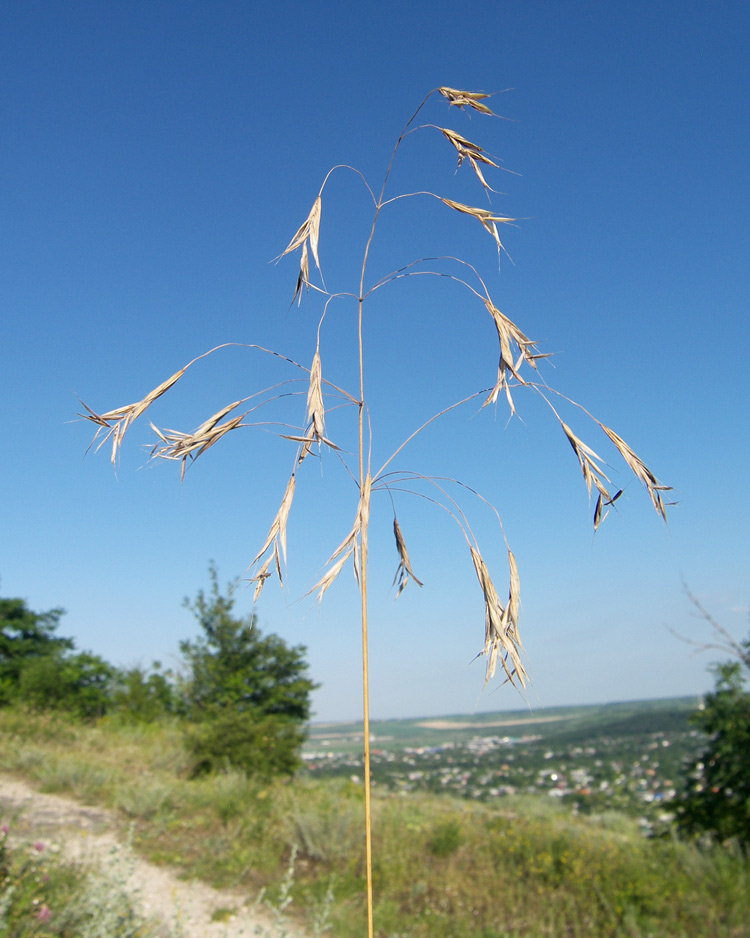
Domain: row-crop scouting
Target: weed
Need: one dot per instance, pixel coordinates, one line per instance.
(143, 799)
(84, 780)
(326, 827)
(42, 895)
(517, 372)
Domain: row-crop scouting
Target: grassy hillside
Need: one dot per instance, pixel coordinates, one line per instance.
(444, 866)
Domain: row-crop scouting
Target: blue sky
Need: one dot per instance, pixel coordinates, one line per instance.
(157, 156)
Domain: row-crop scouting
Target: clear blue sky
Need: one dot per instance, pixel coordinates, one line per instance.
(156, 156)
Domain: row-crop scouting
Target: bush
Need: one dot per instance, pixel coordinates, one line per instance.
(257, 744)
(446, 839)
(234, 665)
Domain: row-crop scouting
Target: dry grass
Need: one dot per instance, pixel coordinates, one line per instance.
(517, 370)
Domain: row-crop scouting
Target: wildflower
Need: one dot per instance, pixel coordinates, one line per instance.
(39, 846)
(44, 914)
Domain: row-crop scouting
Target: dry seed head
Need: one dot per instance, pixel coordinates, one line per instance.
(309, 230)
(345, 549)
(488, 221)
(602, 503)
(501, 639)
(260, 578)
(514, 593)
(331, 574)
(588, 461)
(116, 422)
(315, 432)
(641, 471)
(471, 151)
(508, 333)
(186, 446)
(404, 570)
(303, 280)
(462, 99)
(277, 532)
(501, 384)
(350, 546)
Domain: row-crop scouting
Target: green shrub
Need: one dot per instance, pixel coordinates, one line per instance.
(258, 744)
(446, 839)
(715, 800)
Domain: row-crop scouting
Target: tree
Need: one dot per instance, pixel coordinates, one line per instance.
(80, 684)
(235, 665)
(716, 794)
(140, 696)
(40, 669)
(25, 636)
(249, 693)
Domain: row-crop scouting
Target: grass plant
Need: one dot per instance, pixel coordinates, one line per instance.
(374, 474)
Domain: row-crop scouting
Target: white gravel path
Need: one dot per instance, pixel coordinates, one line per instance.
(87, 834)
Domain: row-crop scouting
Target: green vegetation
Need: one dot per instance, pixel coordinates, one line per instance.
(445, 866)
(716, 797)
(515, 824)
(243, 701)
(247, 694)
(42, 897)
(469, 841)
(38, 667)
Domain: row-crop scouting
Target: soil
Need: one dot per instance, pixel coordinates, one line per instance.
(90, 835)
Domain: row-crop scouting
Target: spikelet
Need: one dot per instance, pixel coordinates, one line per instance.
(116, 422)
(277, 537)
(350, 546)
(501, 639)
(488, 220)
(471, 151)
(470, 99)
(307, 233)
(404, 570)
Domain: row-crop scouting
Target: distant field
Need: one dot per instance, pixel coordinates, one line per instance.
(586, 721)
(463, 725)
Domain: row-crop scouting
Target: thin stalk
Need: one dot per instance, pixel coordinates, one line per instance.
(366, 708)
(365, 481)
(363, 485)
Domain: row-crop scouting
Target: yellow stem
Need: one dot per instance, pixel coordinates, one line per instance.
(364, 490)
(366, 701)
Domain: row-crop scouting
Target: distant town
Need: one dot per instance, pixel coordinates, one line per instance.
(626, 757)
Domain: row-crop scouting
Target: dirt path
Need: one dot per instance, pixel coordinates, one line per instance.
(86, 834)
